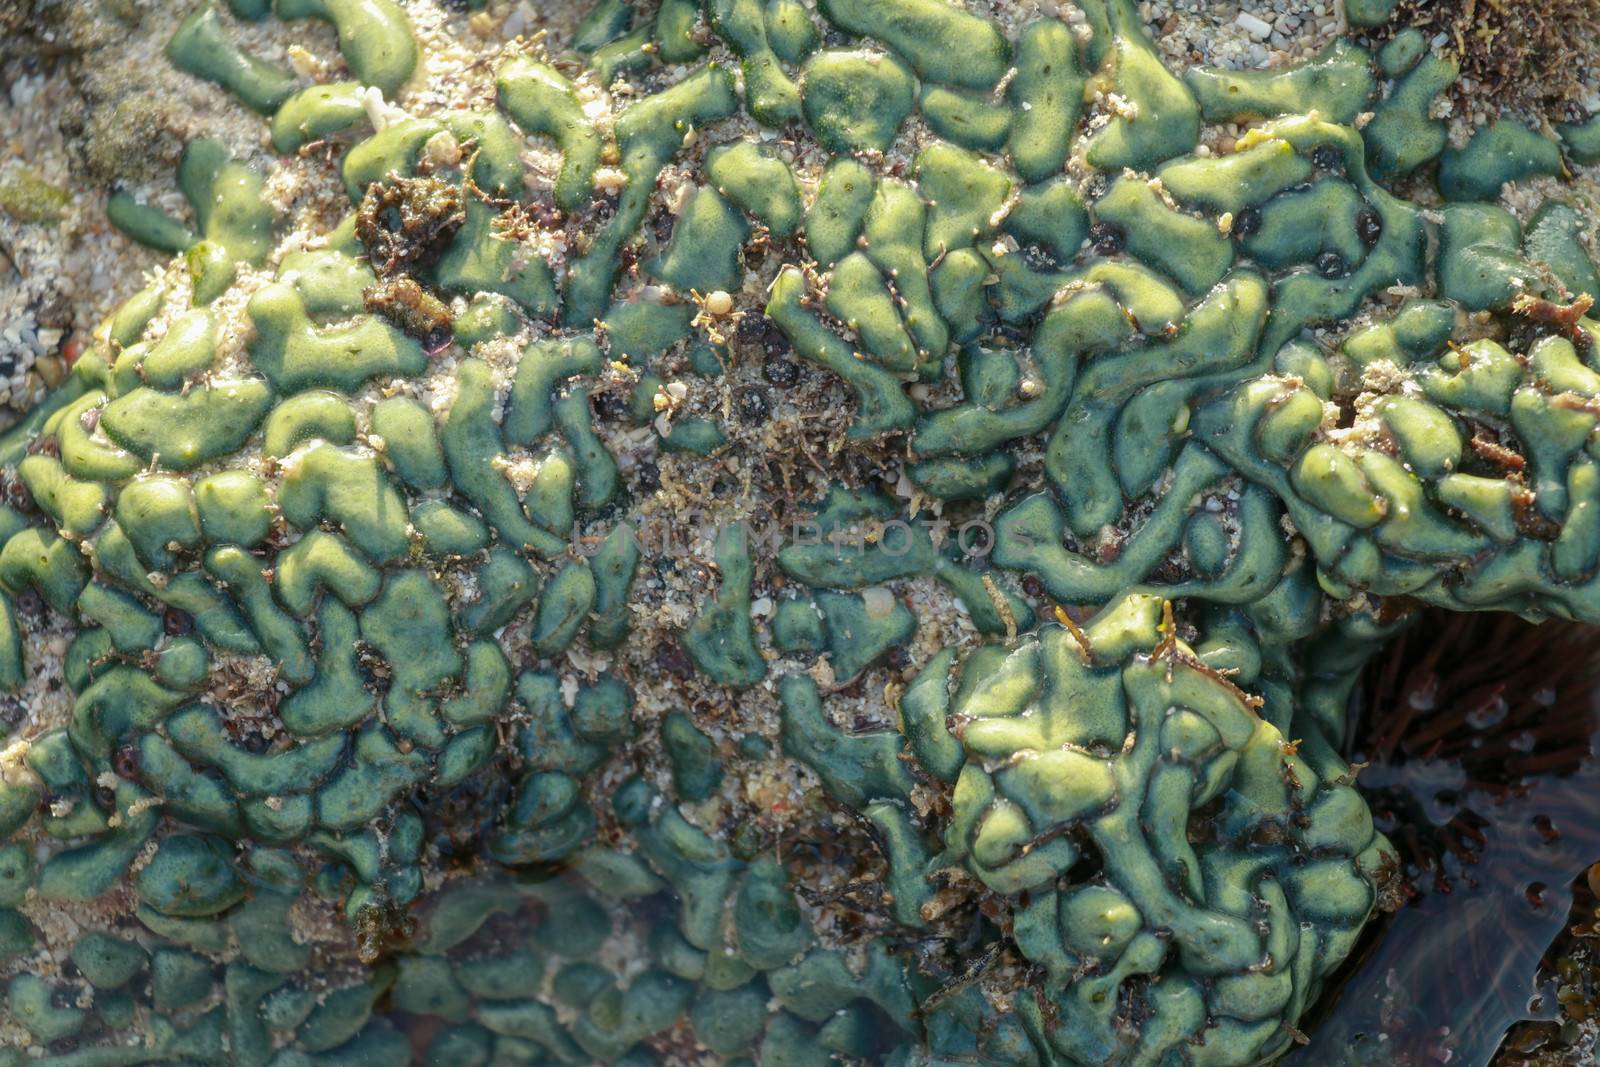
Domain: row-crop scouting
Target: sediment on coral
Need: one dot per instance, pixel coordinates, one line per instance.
(769, 534)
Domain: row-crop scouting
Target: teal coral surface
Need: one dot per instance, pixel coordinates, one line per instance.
(403, 712)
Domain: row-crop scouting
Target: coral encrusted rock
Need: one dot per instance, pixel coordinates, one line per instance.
(761, 532)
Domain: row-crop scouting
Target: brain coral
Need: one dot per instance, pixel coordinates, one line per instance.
(1058, 453)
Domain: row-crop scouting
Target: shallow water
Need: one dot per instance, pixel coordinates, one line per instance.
(1512, 815)
(1452, 972)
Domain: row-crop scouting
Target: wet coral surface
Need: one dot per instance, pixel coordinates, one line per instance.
(788, 533)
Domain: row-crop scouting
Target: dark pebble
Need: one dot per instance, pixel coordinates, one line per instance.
(783, 373)
(752, 404)
(613, 407)
(1246, 222)
(1107, 238)
(1327, 157)
(1369, 225)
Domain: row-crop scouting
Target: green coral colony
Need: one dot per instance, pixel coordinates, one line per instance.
(1248, 383)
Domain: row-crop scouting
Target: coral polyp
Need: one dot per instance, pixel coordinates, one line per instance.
(763, 532)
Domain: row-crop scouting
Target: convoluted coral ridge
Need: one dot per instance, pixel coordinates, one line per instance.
(339, 547)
